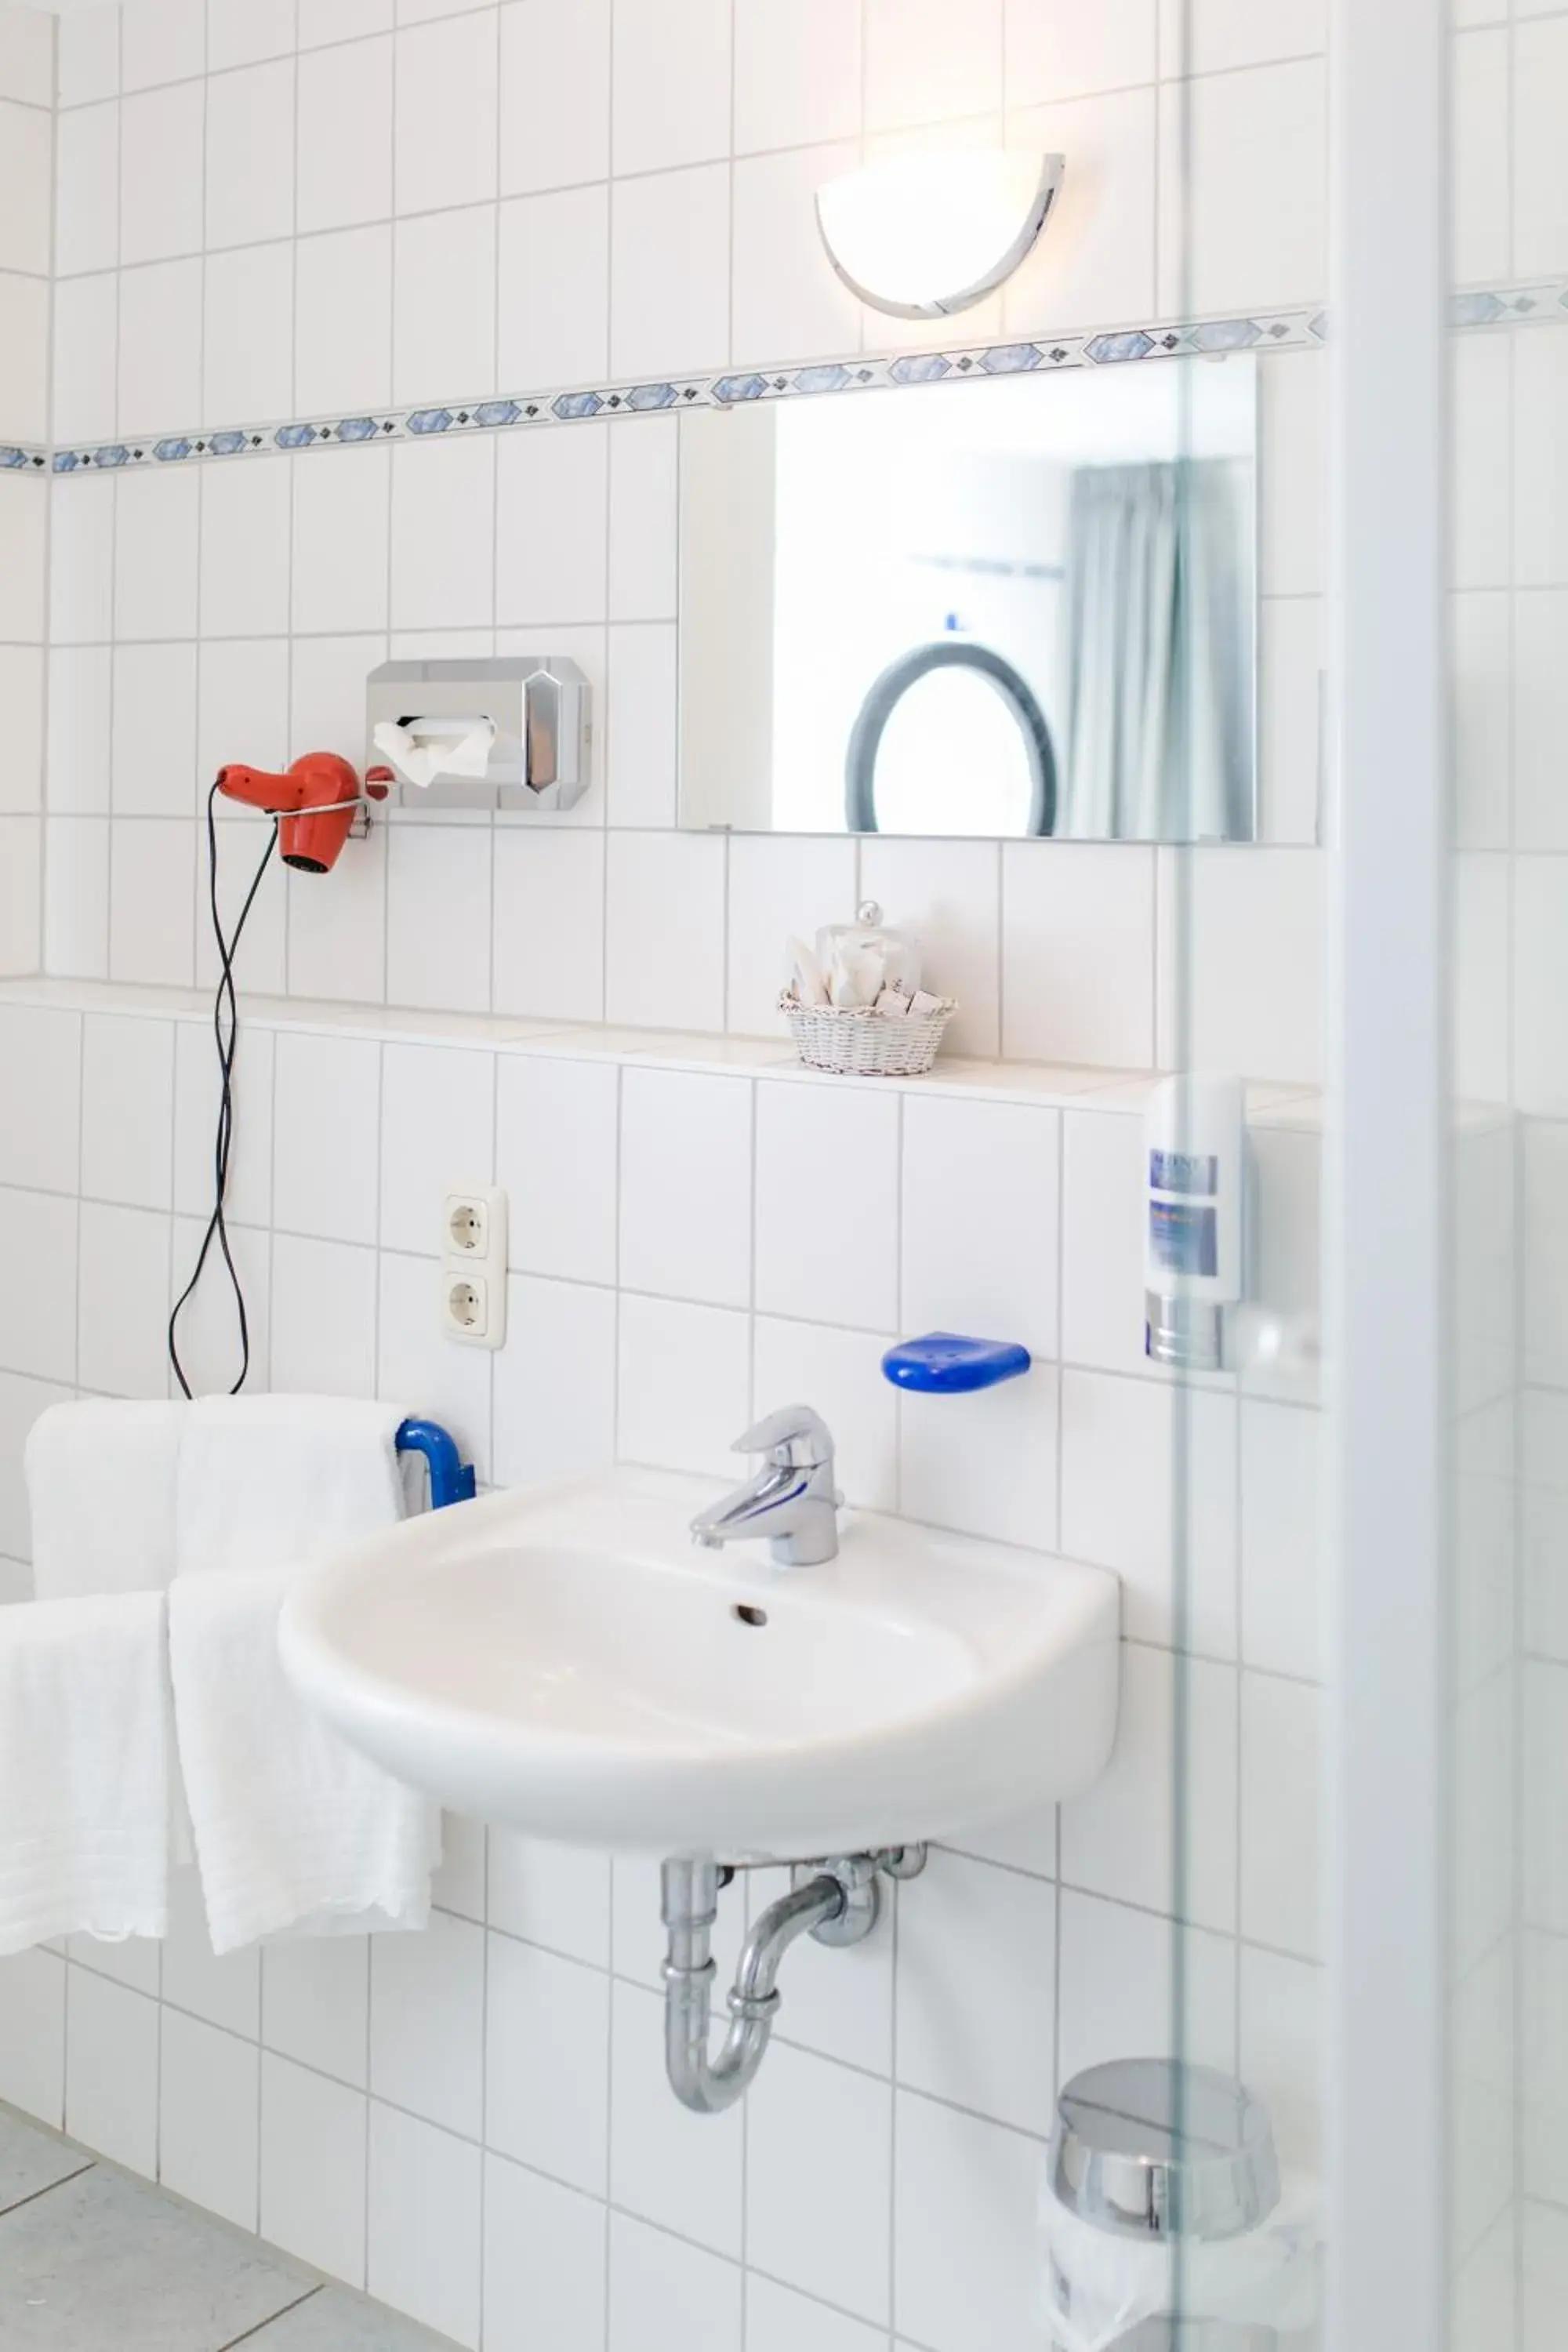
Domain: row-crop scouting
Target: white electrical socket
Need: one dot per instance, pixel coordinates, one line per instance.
(473, 1266)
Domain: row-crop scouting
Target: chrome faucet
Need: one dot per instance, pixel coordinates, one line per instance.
(792, 1499)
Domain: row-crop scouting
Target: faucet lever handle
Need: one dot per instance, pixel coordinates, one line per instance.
(780, 1434)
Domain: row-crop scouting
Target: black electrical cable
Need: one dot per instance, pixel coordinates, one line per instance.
(224, 1002)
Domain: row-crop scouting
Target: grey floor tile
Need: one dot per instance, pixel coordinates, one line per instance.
(31, 2160)
(336, 2321)
(106, 2264)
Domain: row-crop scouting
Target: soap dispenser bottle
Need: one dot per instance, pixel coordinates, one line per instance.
(867, 955)
(1194, 1179)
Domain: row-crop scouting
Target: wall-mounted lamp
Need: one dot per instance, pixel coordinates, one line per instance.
(924, 234)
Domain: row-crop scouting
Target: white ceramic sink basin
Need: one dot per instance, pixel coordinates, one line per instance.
(562, 1658)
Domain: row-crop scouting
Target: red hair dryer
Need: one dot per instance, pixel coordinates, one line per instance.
(314, 803)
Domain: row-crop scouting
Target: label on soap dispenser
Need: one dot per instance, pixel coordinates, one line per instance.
(1184, 1238)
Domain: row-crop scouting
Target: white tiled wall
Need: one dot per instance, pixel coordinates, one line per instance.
(458, 2119)
(27, 169)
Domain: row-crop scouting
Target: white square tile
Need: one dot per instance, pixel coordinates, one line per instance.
(111, 2070)
(556, 1895)
(242, 707)
(563, 1113)
(993, 2053)
(445, 127)
(341, 519)
(1540, 476)
(779, 2320)
(1127, 1523)
(327, 714)
(437, 912)
(426, 2023)
(839, 1372)
(1541, 1065)
(1479, 914)
(1292, 752)
(87, 187)
(323, 1317)
(40, 1064)
(250, 154)
(33, 2034)
(131, 1960)
(1540, 181)
(152, 902)
(663, 2292)
(1103, 1206)
(681, 2171)
(344, 135)
(436, 1135)
(1057, 50)
(1282, 2051)
(337, 937)
(324, 21)
(226, 1991)
(342, 350)
(155, 541)
(240, 32)
(24, 188)
(1288, 1246)
(644, 475)
(76, 897)
(1293, 474)
(21, 893)
(22, 518)
(553, 304)
(1115, 1988)
(164, 44)
(445, 313)
(442, 508)
(127, 1110)
(1170, 1787)
(948, 894)
(550, 498)
(1243, 200)
(965, 2261)
(1480, 453)
(547, 2064)
(23, 357)
(554, 94)
(923, 66)
(1096, 258)
(1220, 34)
(248, 334)
(316, 2005)
(555, 1381)
(122, 1301)
(686, 1188)
(779, 888)
(326, 1107)
(683, 1382)
(798, 75)
(981, 1219)
(89, 54)
(1281, 1803)
(313, 2167)
(664, 964)
(818, 2187)
(419, 1369)
(154, 732)
(671, 83)
(1283, 1598)
(209, 2096)
(213, 1351)
(161, 172)
(544, 2264)
(1248, 936)
(28, 56)
(22, 673)
(641, 724)
(1490, 662)
(669, 273)
(86, 358)
(987, 1463)
(827, 1167)
(1480, 135)
(1077, 953)
(245, 551)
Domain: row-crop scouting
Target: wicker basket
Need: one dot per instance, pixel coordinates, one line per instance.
(866, 1043)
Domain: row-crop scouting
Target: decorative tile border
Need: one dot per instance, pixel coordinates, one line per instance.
(1274, 330)
(23, 457)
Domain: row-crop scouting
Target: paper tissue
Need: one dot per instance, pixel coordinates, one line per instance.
(420, 749)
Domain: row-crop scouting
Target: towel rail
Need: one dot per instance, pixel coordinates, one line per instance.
(451, 1478)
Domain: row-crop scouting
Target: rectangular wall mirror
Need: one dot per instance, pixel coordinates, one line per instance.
(995, 607)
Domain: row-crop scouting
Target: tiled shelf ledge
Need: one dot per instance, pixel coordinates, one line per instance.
(1038, 1082)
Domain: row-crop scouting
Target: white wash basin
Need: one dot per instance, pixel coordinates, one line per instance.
(562, 1658)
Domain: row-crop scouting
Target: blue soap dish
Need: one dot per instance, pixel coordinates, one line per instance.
(945, 1363)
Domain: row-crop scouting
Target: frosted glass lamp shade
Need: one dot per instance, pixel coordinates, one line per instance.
(920, 236)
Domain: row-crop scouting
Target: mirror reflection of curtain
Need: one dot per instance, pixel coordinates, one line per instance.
(1157, 636)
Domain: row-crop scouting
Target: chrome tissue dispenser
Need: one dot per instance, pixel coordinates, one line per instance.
(513, 732)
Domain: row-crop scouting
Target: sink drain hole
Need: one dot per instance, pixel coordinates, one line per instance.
(744, 1614)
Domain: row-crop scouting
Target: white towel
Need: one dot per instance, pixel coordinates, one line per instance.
(101, 1487)
(296, 1833)
(84, 1770)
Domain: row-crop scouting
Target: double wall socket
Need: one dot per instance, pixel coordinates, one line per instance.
(473, 1266)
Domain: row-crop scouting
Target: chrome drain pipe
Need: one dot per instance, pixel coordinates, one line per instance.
(837, 1902)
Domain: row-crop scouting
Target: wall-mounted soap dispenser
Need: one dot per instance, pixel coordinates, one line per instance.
(1194, 1218)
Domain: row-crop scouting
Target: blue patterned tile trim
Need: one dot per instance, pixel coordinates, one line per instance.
(1119, 347)
(16, 457)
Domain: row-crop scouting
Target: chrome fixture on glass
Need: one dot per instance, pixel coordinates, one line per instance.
(792, 1500)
